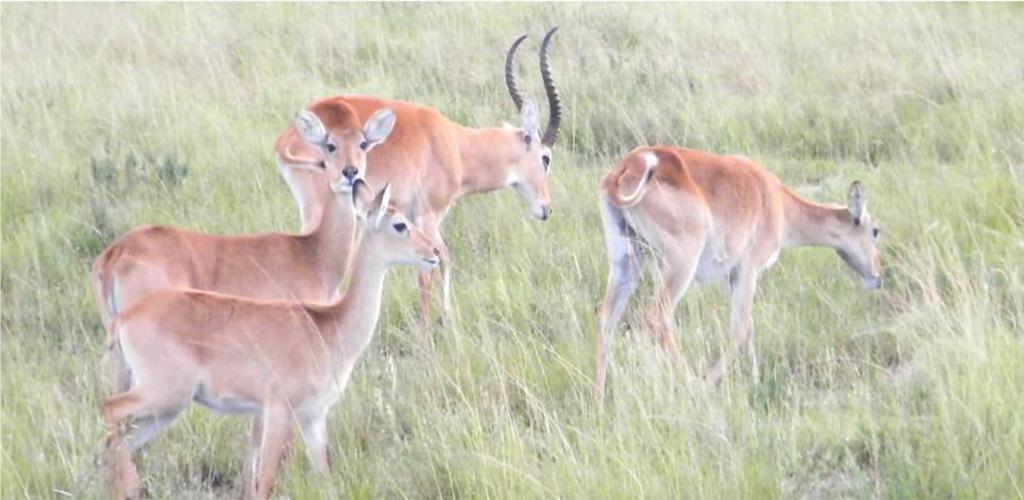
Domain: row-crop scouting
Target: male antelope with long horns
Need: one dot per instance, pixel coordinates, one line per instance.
(431, 162)
(706, 217)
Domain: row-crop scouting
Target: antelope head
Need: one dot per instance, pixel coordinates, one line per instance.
(389, 234)
(531, 157)
(858, 238)
(342, 141)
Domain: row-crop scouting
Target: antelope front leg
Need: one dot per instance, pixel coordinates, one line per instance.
(252, 462)
(314, 434)
(277, 428)
(740, 322)
(424, 281)
(445, 267)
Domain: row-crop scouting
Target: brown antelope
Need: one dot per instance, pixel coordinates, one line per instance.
(708, 217)
(284, 361)
(309, 266)
(432, 162)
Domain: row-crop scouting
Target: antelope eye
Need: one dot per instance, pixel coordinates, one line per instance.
(875, 232)
(547, 161)
(331, 147)
(363, 145)
(400, 227)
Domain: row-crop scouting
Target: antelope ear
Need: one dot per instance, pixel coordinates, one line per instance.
(378, 208)
(857, 202)
(361, 197)
(378, 127)
(310, 127)
(531, 120)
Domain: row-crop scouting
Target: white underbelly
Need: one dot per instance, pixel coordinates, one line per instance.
(712, 266)
(225, 403)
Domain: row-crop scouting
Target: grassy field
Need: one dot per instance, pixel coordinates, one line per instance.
(116, 116)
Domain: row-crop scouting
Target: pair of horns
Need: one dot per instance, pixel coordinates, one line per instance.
(554, 103)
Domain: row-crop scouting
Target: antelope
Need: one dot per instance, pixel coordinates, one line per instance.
(308, 266)
(284, 361)
(432, 162)
(708, 218)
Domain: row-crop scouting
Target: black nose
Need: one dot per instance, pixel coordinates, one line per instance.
(350, 172)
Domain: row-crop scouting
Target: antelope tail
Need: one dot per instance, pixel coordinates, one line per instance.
(103, 285)
(650, 163)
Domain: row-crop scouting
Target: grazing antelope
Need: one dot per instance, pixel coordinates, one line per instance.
(708, 217)
(309, 266)
(284, 361)
(432, 162)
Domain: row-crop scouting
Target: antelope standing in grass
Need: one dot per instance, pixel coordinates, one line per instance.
(309, 266)
(284, 361)
(432, 162)
(709, 218)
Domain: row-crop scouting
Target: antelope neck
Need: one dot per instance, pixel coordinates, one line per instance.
(809, 223)
(353, 318)
(488, 156)
(331, 240)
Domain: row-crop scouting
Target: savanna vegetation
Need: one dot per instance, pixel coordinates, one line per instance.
(119, 115)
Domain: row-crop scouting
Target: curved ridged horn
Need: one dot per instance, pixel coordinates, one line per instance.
(510, 73)
(554, 104)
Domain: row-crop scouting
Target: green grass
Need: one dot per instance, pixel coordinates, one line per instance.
(115, 116)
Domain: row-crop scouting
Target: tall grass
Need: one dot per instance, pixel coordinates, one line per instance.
(119, 115)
